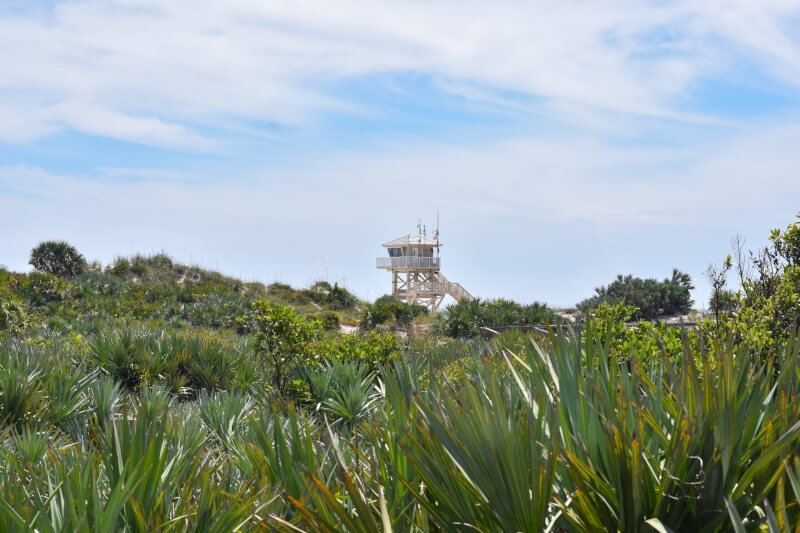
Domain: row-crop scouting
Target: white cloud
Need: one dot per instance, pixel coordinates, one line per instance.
(154, 72)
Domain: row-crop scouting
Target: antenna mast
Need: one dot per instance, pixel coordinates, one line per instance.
(436, 233)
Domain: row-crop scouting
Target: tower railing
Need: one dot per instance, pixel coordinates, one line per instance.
(456, 290)
(409, 261)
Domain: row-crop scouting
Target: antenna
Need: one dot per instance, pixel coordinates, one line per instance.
(436, 233)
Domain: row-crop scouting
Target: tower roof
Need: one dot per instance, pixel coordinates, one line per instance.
(411, 240)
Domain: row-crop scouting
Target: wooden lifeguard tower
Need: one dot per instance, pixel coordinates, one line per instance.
(416, 276)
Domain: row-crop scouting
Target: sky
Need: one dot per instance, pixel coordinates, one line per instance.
(561, 142)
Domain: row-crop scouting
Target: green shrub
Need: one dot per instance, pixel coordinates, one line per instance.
(14, 316)
(225, 414)
(463, 319)
(211, 365)
(329, 320)
(770, 281)
(539, 313)
(375, 315)
(466, 318)
(121, 356)
(386, 309)
(138, 266)
(58, 258)
(23, 386)
(766, 310)
(41, 289)
(502, 312)
(107, 395)
(96, 283)
(343, 389)
(371, 349)
(183, 363)
(282, 338)
(287, 295)
(333, 297)
(351, 397)
(120, 267)
(38, 391)
(652, 298)
(298, 390)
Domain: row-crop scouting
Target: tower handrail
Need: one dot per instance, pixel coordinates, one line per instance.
(408, 261)
(456, 290)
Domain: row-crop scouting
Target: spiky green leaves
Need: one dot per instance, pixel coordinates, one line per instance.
(58, 258)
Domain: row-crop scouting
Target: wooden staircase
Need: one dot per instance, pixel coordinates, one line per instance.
(456, 290)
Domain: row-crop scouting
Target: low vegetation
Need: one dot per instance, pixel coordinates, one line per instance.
(150, 396)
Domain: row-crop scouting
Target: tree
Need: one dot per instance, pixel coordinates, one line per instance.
(282, 338)
(722, 301)
(770, 279)
(58, 258)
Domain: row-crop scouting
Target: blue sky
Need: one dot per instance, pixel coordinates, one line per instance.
(563, 142)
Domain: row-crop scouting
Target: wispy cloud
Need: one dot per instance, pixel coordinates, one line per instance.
(155, 72)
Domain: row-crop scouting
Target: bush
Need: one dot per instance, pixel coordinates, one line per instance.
(372, 349)
(652, 298)
(14, 316)
(388, 308)
(120, 267)
(135, 357)
(328, 319)
(539, 313)
(466, 318)
(58, 258)
(93, 283)
(770, 281)
(282, 338)
(333, 297)
(41, 289)
(287, 295)
(374, 315)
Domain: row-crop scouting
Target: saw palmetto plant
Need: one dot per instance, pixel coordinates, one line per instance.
(559, 432)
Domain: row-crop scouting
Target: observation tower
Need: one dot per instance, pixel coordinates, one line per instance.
(416, 270)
